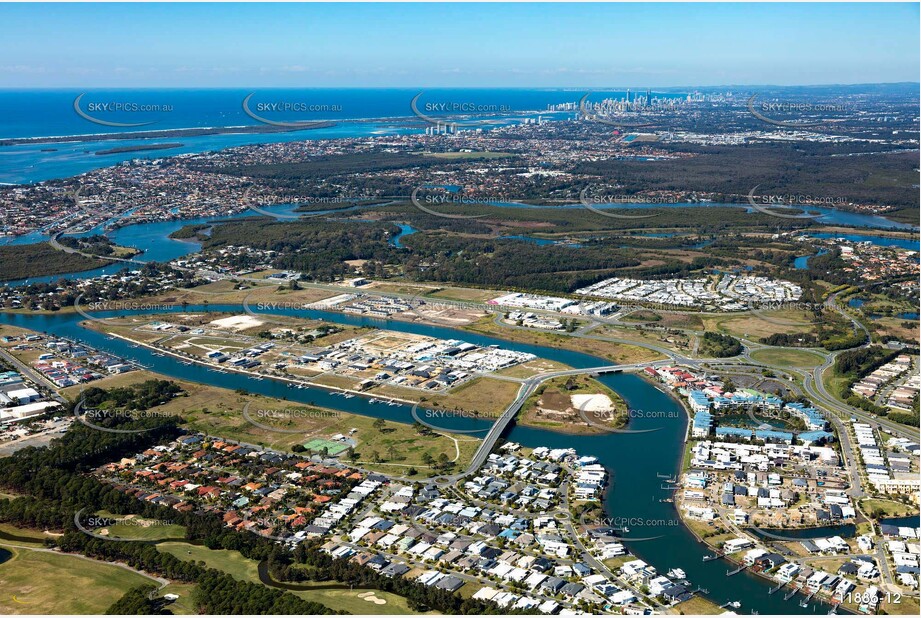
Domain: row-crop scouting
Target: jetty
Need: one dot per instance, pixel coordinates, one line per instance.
(808, 598)
(736, 570)
(777, 588)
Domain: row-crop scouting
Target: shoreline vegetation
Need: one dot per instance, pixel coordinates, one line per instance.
(41, 260)
(189, 132)
(140, 148)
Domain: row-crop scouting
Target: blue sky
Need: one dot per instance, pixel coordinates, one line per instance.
(320, 45)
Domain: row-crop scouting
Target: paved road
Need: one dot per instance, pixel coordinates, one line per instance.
(53, 241)
(33, 375)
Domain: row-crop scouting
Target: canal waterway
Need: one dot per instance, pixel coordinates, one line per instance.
(637, 461)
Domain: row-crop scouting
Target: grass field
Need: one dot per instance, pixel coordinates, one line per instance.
(231, 562)
(698, 606)
(680, 342)
(183, 605)
(787, 357)
(23, 536)
(219, 411)
(359, 601)
(534, 367)
(906, 606)
(616, 352)
(398, 446)
(394, 287)
(890, 508)
(467, 294)
(757, 325)
(38, 582)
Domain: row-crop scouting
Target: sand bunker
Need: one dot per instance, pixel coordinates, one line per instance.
(592, 403)
(237, 322)
(370, 597)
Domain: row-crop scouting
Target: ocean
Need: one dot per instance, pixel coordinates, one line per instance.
(51, 113)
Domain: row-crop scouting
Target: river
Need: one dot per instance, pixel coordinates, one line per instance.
(634, 460)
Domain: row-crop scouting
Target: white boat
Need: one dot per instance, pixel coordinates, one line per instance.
(677, 574)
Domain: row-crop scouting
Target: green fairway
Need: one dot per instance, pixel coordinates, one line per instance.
(39, 582)
(787, 357)
(359, 601)
(184, 604)
(22, 536)
(231, 562)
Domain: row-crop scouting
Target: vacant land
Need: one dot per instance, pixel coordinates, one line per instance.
(42, 582)
(531, 368)
(698, 606)
(787, 357)
(761, 324)
(475, 295)
(617, 352)
(552, 406)
(886, 508)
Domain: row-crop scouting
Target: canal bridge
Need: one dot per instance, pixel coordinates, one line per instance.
(527, 389)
